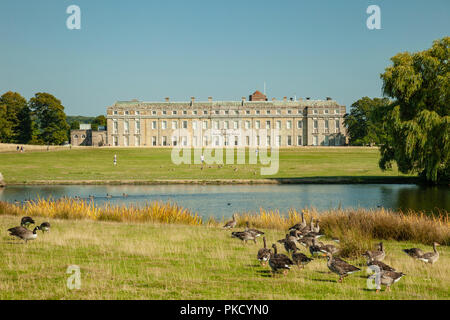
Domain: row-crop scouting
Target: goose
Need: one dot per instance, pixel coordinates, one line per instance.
(295, 234)
(313, 234)
(244, 236)
(26, 221)
(300, 259)
(108, 196)
(289, 245)
(264, 253)
(340, 267)
(288, 238)
(231, 224)
(329, 248)
(414, 252)
(23, 233)
(315, 248)
(255, 232)
(379, 264)
(306, 241)
(44, 227)
(431, 257)
(279, 261)
(124, 195)
(299, 226)
(387, 278)
(316, 228)
(379, 254)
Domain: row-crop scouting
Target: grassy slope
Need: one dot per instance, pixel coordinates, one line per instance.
(151, 164)
(151, 261)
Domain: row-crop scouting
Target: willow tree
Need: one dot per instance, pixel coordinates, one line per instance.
(417, 124)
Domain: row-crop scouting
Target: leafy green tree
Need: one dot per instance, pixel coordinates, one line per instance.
(362, 125)
(5, 126)
(13, 107)
(418, 123)
(50, 118)
(75, 125)
(98, 121)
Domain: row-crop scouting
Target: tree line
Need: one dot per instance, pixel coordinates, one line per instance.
(39, 121)
(411, 125)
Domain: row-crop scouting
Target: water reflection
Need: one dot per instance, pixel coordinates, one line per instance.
(222, 201)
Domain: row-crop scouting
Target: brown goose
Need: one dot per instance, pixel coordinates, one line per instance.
(414, 252)
(379, 264)
(299, 226)
(279, 261)
(26, 221)
(340, 267)
(379, 254)
(316, 228)
(23, 233)
(431, 257)
(255, 232)
(244, 236)
(231, 224)
(387, 278)
(329, 248)
(300, 259)
(264, 253)
(306, 241)
(290, 245)
(315, 248)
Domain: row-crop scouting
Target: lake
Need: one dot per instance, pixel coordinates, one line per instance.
(223, 200)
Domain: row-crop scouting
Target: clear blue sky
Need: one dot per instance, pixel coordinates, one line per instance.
(225, 49)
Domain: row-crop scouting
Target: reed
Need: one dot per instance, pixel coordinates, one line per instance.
(169, 213)
(356, 229)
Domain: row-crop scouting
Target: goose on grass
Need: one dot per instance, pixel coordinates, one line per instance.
(264, 254)
(26, 221)
(279, 261)
(340, 267)
(23, 233)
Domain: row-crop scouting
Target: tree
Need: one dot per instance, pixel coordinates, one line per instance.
(50, 118)
(98, 121)
(361, 123)
(418, 123)
(13, 108)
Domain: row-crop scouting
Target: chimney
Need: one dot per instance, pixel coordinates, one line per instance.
(243, 100)
(209, 99)
(284, 99)
(192, 100)
(167, 99)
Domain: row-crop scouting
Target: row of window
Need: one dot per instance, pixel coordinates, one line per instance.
(227, 112)
(219, 141)
(221, 125)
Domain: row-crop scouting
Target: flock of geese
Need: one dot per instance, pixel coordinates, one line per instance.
(307, 236)
(24, 233)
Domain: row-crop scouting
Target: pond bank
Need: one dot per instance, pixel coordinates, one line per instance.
(307, 180)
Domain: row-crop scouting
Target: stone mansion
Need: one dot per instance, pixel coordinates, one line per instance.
(246, 123)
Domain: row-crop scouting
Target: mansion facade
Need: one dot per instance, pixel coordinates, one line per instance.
(246, 123)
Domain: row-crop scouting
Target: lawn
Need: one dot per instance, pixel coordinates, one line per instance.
(159, 261)
(148, 164)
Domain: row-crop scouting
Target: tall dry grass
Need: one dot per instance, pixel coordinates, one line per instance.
(80, 209)
(356, 229)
